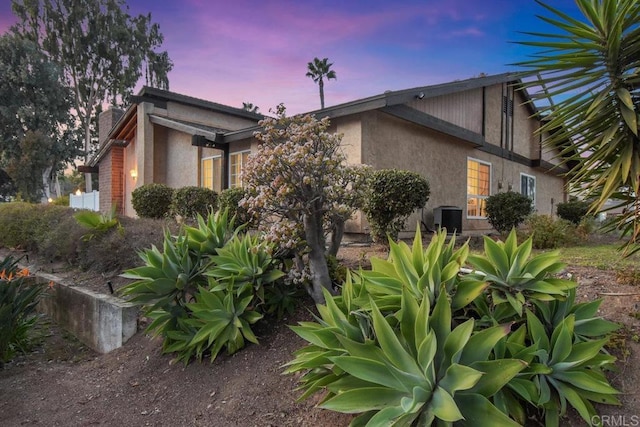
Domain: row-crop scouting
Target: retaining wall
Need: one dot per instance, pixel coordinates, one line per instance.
(100, 321)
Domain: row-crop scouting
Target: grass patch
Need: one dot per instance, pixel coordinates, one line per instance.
(602, 257)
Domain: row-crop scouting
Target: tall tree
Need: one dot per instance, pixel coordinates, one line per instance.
(248, 106)
(319, 69)
(589, 68)
(36, 127)
(102, 49)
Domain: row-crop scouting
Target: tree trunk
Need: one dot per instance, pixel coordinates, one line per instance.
(336, 237)
(321, 85)
(87, 149)
(317, 261)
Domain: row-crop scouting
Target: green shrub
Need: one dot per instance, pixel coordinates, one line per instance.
(17, 222)
(61, 201)
(18, 299)
(391, 197)
(229, 200)
(152, 200)
(550, 233)
(191, 201)
(574, 210)
(507, 210)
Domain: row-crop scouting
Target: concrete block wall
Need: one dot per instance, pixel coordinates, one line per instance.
(102, 322)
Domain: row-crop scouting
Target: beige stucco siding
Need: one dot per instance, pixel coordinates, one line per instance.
(130, 164)
(182, 160)
(351, 129)
(389, 142)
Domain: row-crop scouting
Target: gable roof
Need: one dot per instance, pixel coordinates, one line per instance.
(399, 97)
(390, 102)
(159, 96)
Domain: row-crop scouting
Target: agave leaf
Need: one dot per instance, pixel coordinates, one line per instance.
(584, 408)
(459, 377)
(562, 343)
(456, 341)
(363, 399)
(497, 373)
(595, 327)
(443, 406)
(585, 381)
(376, 372)
(390, 344)
(480, 344)
(467, 291)
(496, 254)
(478, 411)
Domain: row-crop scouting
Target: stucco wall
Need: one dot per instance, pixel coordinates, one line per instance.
(389, 142)
(182, 163)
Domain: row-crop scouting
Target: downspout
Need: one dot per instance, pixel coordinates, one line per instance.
(484, 112)
(512, 104)
(502, 113)
(226, 166)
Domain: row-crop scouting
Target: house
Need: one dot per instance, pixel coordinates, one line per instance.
(470, 139)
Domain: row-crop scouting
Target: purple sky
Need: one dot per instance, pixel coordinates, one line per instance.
(257, 51)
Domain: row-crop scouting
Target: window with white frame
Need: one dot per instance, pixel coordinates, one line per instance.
(528, 187)
(211, 173)
(237, 162)
(478, 187)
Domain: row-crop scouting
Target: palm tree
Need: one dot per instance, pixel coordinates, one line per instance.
(319, 69)
(590, 70)
(248, 106)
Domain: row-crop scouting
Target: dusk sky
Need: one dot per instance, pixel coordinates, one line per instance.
(257, 51)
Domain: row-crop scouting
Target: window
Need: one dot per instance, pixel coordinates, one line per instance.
(478, 187)
(528, 187)
(212, 173)
(237, 162)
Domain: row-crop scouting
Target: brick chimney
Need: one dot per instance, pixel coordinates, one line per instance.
(106, 120)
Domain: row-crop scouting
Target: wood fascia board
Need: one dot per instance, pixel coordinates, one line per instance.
(183, 127)
(427, 120)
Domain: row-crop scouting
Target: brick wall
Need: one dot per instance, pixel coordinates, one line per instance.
(106, 120)
(111, 179)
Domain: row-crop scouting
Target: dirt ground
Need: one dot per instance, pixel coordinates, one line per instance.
(63, 383)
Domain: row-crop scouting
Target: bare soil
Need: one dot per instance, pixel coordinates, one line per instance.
(63, 383)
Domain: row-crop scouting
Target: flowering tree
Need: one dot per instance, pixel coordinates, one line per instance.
(302, 191)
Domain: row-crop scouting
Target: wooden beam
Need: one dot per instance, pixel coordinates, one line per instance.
(427, 120)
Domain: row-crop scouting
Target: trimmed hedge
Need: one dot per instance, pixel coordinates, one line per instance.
(190, 201)
(507, 210)
(152, 200)
(392, 196)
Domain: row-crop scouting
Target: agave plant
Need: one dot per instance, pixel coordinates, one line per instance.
(97, 222)
(587, 324)
(421, 271)
(414, 369)
(212, 233)
(561, 369)
(219, 320)
(515, 277)
(169, 277)
(246, 263)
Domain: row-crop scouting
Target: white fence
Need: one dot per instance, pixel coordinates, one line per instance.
(89, 201)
